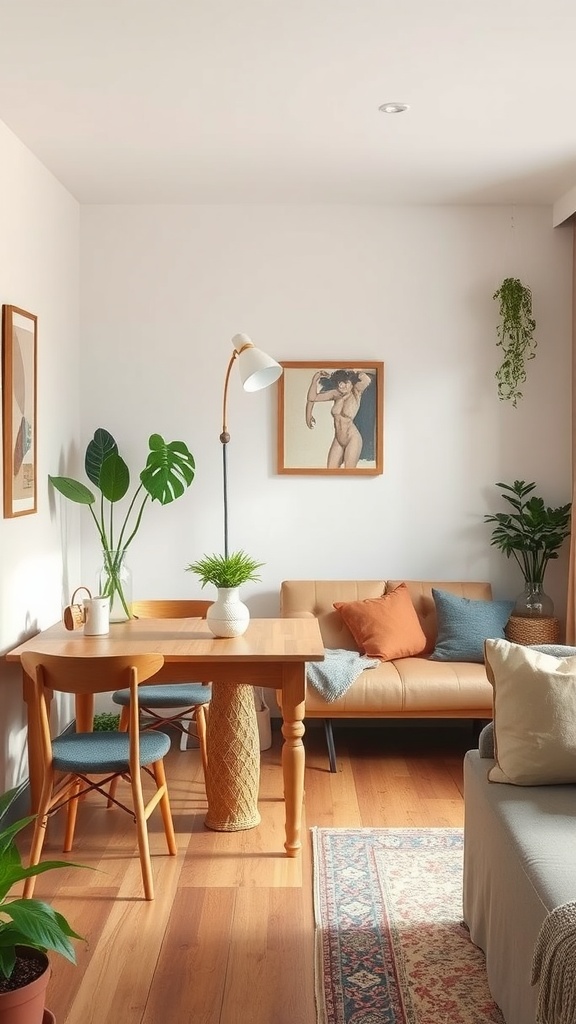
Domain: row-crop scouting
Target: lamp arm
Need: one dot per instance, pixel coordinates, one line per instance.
(225, 437)
(243, 343)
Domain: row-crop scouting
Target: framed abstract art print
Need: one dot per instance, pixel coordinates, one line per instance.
(19, 411)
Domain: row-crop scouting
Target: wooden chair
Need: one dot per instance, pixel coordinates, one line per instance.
(187, 701)
(76, 763)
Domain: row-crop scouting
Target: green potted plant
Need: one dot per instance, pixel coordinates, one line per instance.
(28, 928)
(532, 534)
(228, 616)
(169, 470)
(106, 721)
(515, 336)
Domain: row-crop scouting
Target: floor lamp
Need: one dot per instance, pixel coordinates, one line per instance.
(257, 371)
(233, 770)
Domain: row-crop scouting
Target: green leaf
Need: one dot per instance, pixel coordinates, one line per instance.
(42, 926)
(114, 478)
(8, 798)
(73, 489)
(100, 447)
(7, 834)
(169, 470)
(8, 957)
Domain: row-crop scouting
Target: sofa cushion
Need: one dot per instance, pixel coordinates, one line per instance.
(385, 627)
(421, 593)
(464, 625)
(411, 688)
(534, 715)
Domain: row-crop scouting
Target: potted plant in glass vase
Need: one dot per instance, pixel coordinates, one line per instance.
(169, 470)
(228, 616)
(532, 534)
(28, 928)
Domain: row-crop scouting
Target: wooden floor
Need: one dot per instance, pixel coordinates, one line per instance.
(229, 937)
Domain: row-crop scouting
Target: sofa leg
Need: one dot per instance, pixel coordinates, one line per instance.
(330, 743)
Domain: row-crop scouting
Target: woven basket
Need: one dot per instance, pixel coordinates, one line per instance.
(233, 771)
(538, 630)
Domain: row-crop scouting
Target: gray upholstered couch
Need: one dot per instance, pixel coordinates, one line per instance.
(519, 864)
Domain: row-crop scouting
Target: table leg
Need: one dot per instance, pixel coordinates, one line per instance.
(85, 703)
(293, 755)
(233, 744)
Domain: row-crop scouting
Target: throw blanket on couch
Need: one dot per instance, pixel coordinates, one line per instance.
(554, 965)
(333, 676)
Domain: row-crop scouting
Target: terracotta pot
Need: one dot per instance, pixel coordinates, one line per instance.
(48, 1017)
(27, 1005)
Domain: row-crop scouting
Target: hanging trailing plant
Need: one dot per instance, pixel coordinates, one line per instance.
(515, 336)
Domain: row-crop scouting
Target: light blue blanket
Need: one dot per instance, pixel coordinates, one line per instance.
(333, 676)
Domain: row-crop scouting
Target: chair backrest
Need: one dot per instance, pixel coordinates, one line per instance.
(76, 674)
(170, 609)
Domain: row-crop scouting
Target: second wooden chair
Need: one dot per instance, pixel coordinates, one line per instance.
(181, 703)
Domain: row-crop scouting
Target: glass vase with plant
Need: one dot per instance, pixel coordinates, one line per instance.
(168, 472)
(532, 534)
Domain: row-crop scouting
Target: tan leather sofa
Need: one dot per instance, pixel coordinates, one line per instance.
(404, 688)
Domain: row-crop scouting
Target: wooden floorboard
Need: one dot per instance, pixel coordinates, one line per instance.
(229, 938)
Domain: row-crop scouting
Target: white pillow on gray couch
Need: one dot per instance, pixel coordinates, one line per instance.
(534, 714)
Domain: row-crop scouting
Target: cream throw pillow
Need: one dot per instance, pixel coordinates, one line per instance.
(534, 715)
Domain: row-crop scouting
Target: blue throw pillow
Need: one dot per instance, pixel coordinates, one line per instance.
(464, 625)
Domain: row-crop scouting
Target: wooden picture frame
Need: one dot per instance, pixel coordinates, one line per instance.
(19, 365)
(319, 431)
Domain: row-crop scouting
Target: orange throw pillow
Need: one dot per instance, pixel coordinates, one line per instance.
(385, 627)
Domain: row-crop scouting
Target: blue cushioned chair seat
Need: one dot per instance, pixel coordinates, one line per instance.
(175, 696)
(102, 752)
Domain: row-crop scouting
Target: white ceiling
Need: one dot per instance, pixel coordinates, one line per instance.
(217, 101)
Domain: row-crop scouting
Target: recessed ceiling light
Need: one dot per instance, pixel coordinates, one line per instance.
(393, 108)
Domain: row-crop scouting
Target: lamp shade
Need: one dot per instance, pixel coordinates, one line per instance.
(257, 369)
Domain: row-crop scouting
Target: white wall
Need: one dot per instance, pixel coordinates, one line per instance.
(164, 289)
(39, 273)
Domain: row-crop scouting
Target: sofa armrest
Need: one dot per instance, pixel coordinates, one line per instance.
(486, 741)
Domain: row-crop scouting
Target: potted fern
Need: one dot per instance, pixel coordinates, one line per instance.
(28, 928)
(228, 616)
(169, 470)
(515, 336)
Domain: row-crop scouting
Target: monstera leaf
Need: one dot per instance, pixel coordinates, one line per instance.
(169, 470)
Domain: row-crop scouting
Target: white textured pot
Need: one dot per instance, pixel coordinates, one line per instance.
(228, 616)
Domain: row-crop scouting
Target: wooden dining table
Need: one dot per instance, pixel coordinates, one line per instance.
(272, 653)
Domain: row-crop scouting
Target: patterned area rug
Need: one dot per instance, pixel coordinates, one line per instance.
(391, 947)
